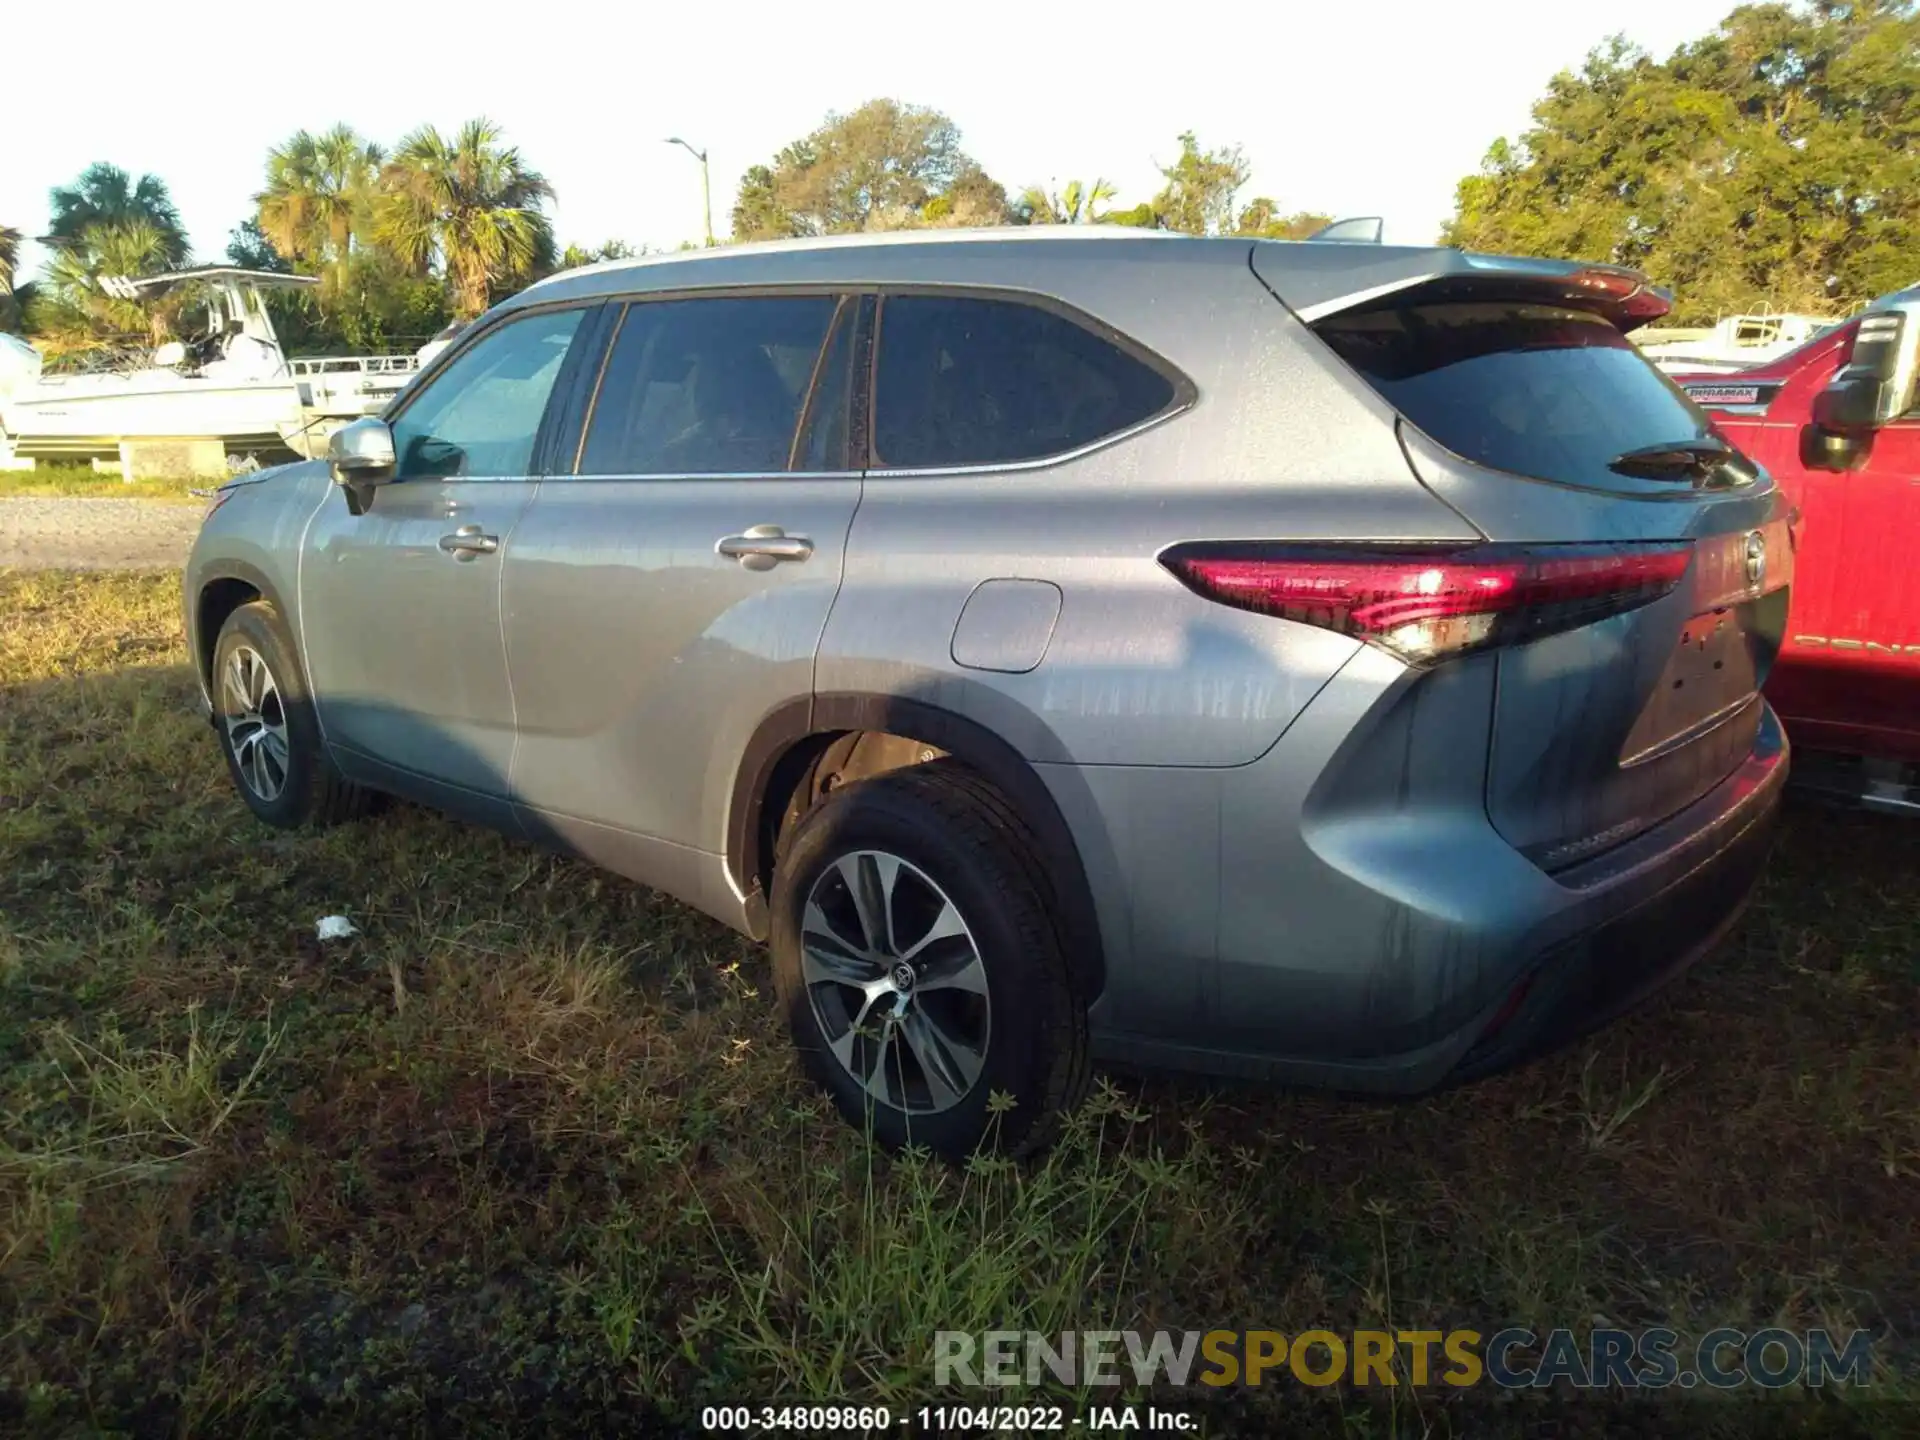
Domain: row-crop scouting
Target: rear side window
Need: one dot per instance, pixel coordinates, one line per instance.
(1536, 390)
(966, 380)
(714, 387)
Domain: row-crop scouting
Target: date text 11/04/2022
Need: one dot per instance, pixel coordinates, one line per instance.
(944, 1419)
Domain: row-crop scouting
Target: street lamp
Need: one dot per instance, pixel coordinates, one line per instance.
(706, 191)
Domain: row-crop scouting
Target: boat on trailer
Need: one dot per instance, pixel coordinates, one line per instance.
(226, 395)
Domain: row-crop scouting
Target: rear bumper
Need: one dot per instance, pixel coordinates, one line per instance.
(1580, 986)
(1399, 951)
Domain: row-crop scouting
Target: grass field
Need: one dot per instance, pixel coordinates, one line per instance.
(528, 1150)
(61, 479)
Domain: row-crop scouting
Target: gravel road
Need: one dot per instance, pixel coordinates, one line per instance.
(73, 534)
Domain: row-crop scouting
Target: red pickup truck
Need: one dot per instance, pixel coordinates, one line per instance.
(1837, 422)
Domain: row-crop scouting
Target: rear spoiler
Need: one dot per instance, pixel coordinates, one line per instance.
(1317, 281)
(1362, 230)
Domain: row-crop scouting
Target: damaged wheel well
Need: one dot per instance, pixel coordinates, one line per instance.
(803, 753)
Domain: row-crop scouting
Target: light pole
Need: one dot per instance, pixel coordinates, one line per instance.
(706, 191)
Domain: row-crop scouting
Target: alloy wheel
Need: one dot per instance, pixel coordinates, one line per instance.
(256, 723)
(896, 982)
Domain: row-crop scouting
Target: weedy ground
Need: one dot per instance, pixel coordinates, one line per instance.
(528, 1151)
(60, 478)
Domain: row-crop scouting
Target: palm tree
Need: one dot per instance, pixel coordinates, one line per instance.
(1078, 204)
(9, 263)
(318, 189)
(79, 313)
(469, 202)
(107, 195)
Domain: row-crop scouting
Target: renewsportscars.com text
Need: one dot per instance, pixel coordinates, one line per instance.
(1511, 1358)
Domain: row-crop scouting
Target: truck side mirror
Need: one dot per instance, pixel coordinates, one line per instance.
(1877, 385)
(1850, 405)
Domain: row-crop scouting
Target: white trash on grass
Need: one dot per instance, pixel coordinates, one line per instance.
(336, 927)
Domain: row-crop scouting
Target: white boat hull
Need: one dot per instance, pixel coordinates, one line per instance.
(92, 414)
(248, 397)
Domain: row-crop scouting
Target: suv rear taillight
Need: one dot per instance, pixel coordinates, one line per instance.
(1426, 603)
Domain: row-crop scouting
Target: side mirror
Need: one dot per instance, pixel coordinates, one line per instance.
(361, 454)
(1850, 405)
(1878, 382)
(361, 450)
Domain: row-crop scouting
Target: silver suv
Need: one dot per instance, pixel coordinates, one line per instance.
(1330, 663)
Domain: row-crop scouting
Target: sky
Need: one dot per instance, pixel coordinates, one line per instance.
(1373, 109)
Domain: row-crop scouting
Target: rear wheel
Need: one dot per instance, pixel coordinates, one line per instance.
(267, 731)
(918, 968)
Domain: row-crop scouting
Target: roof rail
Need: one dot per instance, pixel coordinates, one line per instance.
(1361, 230)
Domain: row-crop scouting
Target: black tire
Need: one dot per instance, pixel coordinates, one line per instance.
(311, 792)
(962, 844)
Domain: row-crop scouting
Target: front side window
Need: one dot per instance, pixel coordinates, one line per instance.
(717, 386)
(480, 416)
(968, 380)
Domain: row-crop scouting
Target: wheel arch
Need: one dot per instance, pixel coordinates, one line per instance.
(793, 737)
(218, 593)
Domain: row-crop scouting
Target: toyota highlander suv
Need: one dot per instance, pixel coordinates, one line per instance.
(1331, 663)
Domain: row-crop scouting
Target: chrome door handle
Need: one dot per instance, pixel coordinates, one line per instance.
(468, 543)
(764, 546)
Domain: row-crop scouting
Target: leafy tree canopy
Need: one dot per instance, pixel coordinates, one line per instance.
(318, 192)
(9, 262)
(249, 248)
(886, 166)
(1774, 160)
(575, 256)
(1201, 185)
(107, 195)
(1078, 202)
(472, 205)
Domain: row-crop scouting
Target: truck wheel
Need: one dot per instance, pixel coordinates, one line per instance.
(267, 731)
(918, 969)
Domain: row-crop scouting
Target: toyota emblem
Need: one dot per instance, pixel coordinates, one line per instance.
(1756, 558)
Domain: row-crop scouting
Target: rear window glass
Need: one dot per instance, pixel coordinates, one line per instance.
(1533, 389)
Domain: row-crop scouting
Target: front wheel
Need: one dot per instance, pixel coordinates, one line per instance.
(918, 968)
(267, 731)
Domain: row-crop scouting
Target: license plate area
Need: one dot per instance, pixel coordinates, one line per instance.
(1712, 674)
(1722, 652)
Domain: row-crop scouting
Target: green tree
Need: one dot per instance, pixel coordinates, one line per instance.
(72, 312)
(757, 211)
(575, 256)
(885, 166)
(107, 195)
(1198, 196)
(1776, 160)
(1139, 217)
(1262, 218)
(379, 304)
(1077, 203)
(318, 194)
(249, 248)
(9, 263)
(469, 204)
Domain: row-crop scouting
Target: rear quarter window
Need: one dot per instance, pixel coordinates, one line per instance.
(971, 380)
(1536, 390)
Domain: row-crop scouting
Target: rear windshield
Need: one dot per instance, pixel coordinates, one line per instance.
(1533, 389)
